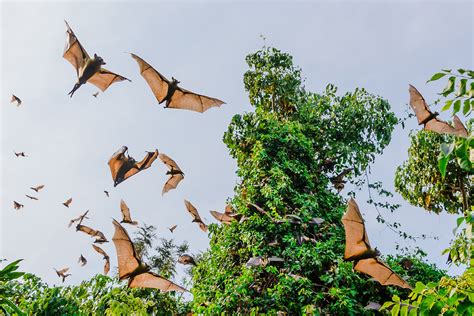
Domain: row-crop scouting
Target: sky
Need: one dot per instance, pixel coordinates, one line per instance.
(379, 46)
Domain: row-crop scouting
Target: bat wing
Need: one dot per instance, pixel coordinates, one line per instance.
(193, 211)
(63, 271)
(99, 250)
(440, 127)
(357, 241)
(107, 265)
(125, 211)
(87, 230)
(142, 165)
(117, 160)
(187, 100)
(126, 255)
(172, 182)
(68, 202)
(157, 82)
(170, 163)
(104, 78)
(154, 281)
(418, 104)
(380, 272)
(461, 130)
(74, 52)
(223, 218)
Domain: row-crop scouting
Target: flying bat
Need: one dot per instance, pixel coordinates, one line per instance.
(123, 166)
(174, 172)
(222, 217)
(106, 258)
(17, 205)
(194, 213)
(87, 69)
(95, 94)
(68, 201)
(31, 197)
(62, 273)
(15, 99)
(186, 259)
(428, 119)
(172, 228)
(126, 214)
(78, 219)
(36, 189)
(175, 97)
(82, 261)
(338, 180)
(106, 193)
(20, 154)
(358, 249)
(100, 237)
(132, 268)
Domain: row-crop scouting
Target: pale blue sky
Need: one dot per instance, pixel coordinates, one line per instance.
(381, 47)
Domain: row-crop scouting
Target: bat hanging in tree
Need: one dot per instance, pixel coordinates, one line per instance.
(122, 166)
(87, 69)
(358, 249)
(194, 213)
(428, 119)
(132, 268)
(175, 97)
(106, 258)
(338, 180)
(126, 218)
(174, 172)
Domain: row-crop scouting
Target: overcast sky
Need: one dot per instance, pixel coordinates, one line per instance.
(381, 47)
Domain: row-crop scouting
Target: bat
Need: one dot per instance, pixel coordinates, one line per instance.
(78, 219)
(316, 221)
(31, 197)
(17, 205)
(36, 189)
(126, 214)
(194, 213)
(82, 261)
(15, 99)
(68, 202)
(172, 228)
(106, 193)
(21, 154)
(106, 258)
(100, 237)
(290, 218)
(429, 119)
(123, 166)
(358, 249)
(264, 261)
(406, 263)
(132, 268)
(338, 180)
(222, 217)
(62, 273)
(175, 97)
(87, 69)
(95, 94)
(186, 259)
(174, 172)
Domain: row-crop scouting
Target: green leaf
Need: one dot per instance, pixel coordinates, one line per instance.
(442, 164)
(461, 71)
(395, 310)
(467, 107)
(457, 106)
(462, 87)
(437, 76)
(447, 105)
(449, 87)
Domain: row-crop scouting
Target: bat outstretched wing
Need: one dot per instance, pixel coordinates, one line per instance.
(122, 167)
(222, 217)
(357, 241)
(380, 272)
(125, 211)
(87, 230)
(187, 100)
(157, 82)
(126, 255)
(170, 163)
(155, 281)
(74, 52)
(172, 182)
(461, 130)
(104, 78)
(418, 104)
(440, 127)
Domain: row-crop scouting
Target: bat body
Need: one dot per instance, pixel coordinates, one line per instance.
(338, 180)
(15, 99)
(105, 257)
(31, 197)
(123, 166)
(126, 214)
(82, 261)
(87, 69)
(169, 91)
(37, 188)
(195, 214)
(132, 268)
(186, 259)
(78, 219)
(174, 172)
(358, 249)
(62, 273)
(17, 205)
(68, 202)
(429, 119)
(172, 228)
(21, 154)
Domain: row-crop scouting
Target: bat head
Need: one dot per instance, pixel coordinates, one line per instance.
(99, 60)
(175, 81)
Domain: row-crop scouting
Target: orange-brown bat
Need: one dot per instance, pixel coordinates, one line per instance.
(17, 205)
(132, 268)
(186, 259)
(31, 197)
(126, 218)
(175, 97)
(428, 119)
(82, 261)
(174, 172)
(123, 166)
(358, 249)
(36, 189)
(87, 69)
(100, 237)
(20, 154)
(222, 217)
(194, 213)
(338, 180)
(172, 228)
(106, 258)
(62, 273)
(68, 202)
(15, 99)
(78, 219)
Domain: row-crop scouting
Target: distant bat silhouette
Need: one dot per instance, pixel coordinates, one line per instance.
(31, 197)
(194, 213)
(95, 94)
(428, 119)
(106, 193)
(36, 189)
(222, 217)
(132, 268)
(15, 99)
(87, 69)
(175, 97)
(123, 166)
(100, 237)
(338, 180)
(174, 172)
(126, 214)
(78, 219)
(172, 228)
(21, 154)
(358, 249)
(68, 202)
(106, 258)
(17, 205)
(186, 259)
(82, 261)
(62, 273)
